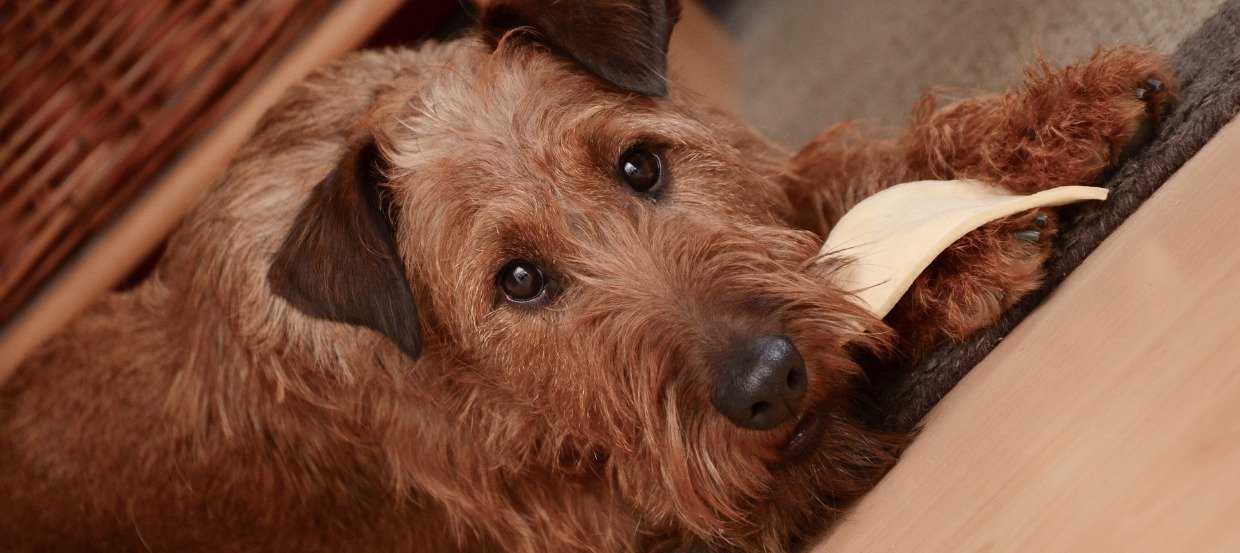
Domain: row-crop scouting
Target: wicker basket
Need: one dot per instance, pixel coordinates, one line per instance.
(97, 95)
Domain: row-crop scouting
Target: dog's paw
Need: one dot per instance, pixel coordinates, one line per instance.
(1032, 232)
(1122, 95)
(1155, 94)
(976, 279)
(1073, 125)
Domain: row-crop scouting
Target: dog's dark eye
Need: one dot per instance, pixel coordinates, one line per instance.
(522, 281)
(641, 170)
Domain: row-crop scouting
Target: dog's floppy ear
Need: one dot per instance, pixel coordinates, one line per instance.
(624, 42)
(339, 261)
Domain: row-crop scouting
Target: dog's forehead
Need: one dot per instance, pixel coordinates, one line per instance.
(520, 128)
(518, 104)
(522, 142)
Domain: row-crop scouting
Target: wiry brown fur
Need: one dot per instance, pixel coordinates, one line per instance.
(202, 412)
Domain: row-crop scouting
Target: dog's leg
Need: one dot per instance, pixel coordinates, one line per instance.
(1065, 127)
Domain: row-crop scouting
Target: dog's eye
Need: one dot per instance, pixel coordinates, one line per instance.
(522, 281)
(641, 170)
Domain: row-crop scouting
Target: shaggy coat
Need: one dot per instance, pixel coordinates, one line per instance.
(324, 358)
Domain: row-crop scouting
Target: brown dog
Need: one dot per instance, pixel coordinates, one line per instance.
(506, 294)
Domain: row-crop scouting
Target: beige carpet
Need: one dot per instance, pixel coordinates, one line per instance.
(810, 63)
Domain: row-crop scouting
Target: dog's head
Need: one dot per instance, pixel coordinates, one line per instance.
(589, 281)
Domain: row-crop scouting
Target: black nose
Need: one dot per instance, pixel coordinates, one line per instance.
(762, 384)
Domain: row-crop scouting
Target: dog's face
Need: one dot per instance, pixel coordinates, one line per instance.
(599, 276)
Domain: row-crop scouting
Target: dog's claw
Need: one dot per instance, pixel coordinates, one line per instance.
(1147, 88)
(1039, 220)
(1147, 127)
(1027, 235)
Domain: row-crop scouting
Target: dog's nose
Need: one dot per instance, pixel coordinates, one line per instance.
(762, 384)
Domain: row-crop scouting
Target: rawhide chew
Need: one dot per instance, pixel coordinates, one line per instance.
(892, 236)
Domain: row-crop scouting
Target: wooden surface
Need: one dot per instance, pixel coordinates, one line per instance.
(1110, 419)
(144, 225)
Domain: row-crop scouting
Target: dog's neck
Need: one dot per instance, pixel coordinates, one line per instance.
(264, 430)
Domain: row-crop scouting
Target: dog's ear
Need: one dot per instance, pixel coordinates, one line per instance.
(339, 261)
(624, 42)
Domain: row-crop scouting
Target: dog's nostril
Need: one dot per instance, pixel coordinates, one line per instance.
(795, 378)
(762, 384)
(758, 409)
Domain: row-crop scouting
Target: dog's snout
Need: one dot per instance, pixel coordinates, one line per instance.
(762, 384)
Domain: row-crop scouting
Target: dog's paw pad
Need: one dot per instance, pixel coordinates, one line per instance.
(1157, 98)
(1142, 135)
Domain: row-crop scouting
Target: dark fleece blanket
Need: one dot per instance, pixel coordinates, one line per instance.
(1207, 65)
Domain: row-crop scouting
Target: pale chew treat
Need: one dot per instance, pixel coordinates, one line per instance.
(892, 236)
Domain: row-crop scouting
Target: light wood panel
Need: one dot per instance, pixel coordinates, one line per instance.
(1110, 419)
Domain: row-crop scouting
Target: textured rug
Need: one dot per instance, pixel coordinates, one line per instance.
(1207, 64)
(809, 63)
